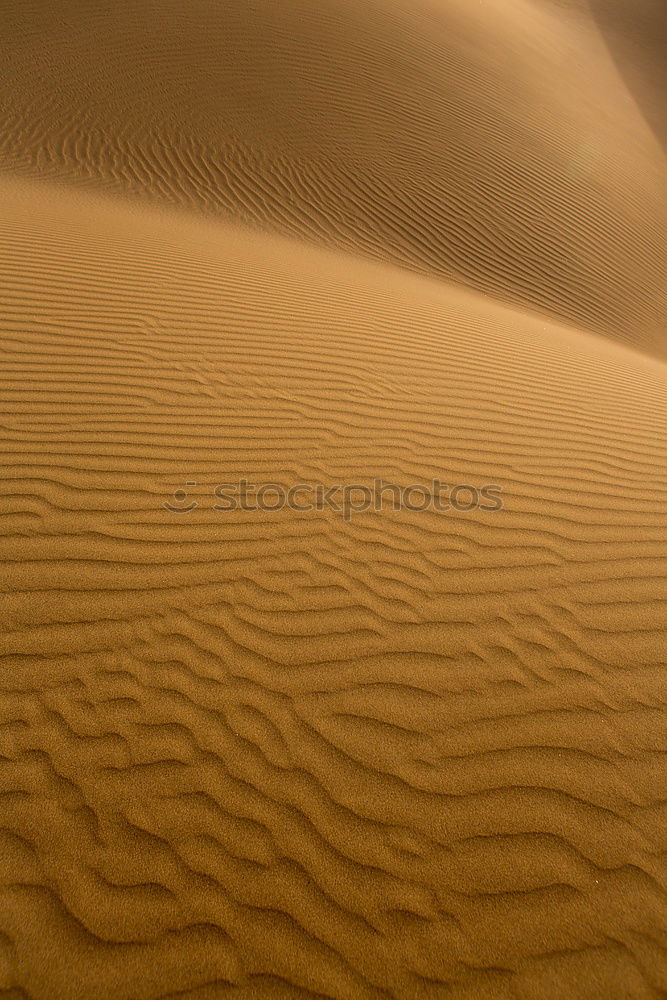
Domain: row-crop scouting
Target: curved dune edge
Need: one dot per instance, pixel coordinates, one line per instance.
(499, 145)
(279, 756)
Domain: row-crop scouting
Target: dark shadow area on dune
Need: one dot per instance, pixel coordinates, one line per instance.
(636, 33)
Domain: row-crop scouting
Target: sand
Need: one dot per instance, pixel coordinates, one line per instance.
(297, 754)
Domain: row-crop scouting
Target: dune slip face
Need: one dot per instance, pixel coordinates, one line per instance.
(290, 751)
(495, 143)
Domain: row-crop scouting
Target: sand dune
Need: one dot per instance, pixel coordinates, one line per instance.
(495, 143)
(290, 754)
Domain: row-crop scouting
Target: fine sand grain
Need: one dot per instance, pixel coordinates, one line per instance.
(291, 755)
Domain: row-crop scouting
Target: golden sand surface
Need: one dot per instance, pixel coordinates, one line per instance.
(314, 753)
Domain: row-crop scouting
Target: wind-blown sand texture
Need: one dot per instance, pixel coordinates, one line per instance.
(282, 755)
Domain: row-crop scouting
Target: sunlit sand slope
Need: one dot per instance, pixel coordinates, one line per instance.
(499, 143)
(416, 755)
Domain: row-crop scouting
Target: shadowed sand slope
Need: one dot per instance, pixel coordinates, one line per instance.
(493, 143)
(636, 35)
(282, 755)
